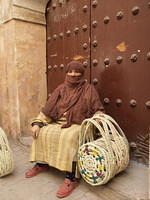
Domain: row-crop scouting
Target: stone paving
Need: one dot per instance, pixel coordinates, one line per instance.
(132, 184)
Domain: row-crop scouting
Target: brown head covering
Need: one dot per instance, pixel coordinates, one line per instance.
(75, 81)
(76, 66)
(75, 97)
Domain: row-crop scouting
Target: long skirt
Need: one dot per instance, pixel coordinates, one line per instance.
(57, 146)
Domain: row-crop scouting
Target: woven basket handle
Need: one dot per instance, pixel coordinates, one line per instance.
(108, 129)
(84, 137)
(115, 129)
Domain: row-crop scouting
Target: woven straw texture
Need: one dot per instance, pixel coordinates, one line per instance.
(101, 159)
(6, 156)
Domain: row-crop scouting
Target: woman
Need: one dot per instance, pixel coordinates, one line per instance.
(57, 127)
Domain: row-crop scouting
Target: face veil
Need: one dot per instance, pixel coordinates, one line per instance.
(74, 81)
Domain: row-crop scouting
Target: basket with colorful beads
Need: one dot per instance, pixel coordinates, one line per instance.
(101, 159)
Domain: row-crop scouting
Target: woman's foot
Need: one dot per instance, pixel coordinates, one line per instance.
(36, 170)
(66, 188)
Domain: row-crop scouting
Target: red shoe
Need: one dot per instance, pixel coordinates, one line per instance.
(66, 188)
(36, 170)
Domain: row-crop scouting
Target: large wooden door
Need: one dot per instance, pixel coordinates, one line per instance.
(111, 38)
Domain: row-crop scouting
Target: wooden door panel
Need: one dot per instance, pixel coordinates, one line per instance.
(68, 31)
(122, 75)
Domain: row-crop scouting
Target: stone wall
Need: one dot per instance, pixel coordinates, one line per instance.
(28, 10)
(22, 63)
(7, 77)
(5, 10)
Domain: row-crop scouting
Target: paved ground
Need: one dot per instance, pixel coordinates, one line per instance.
(132, 184)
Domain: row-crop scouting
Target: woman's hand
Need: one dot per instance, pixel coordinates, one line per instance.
(35, 131)
(97, 119)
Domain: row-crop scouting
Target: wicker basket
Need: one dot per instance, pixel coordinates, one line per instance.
(6, 157)
(101, 159)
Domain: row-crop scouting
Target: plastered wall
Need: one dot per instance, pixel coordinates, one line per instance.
(22, 64)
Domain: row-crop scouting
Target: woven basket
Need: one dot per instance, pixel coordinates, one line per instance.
(6, 157)
(101, 159)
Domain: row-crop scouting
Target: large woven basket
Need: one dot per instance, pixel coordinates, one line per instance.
(101, 159)
(6, 156)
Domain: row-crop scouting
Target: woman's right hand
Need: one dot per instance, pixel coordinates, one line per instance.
(35, 131)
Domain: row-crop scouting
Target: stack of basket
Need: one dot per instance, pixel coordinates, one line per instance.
(6, 156)
(101, 159)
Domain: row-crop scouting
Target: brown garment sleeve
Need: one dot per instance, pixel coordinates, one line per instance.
(42, 119)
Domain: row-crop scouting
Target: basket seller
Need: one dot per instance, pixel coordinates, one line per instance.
(56, 129)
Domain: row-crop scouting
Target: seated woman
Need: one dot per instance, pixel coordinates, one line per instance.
(56, 129)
